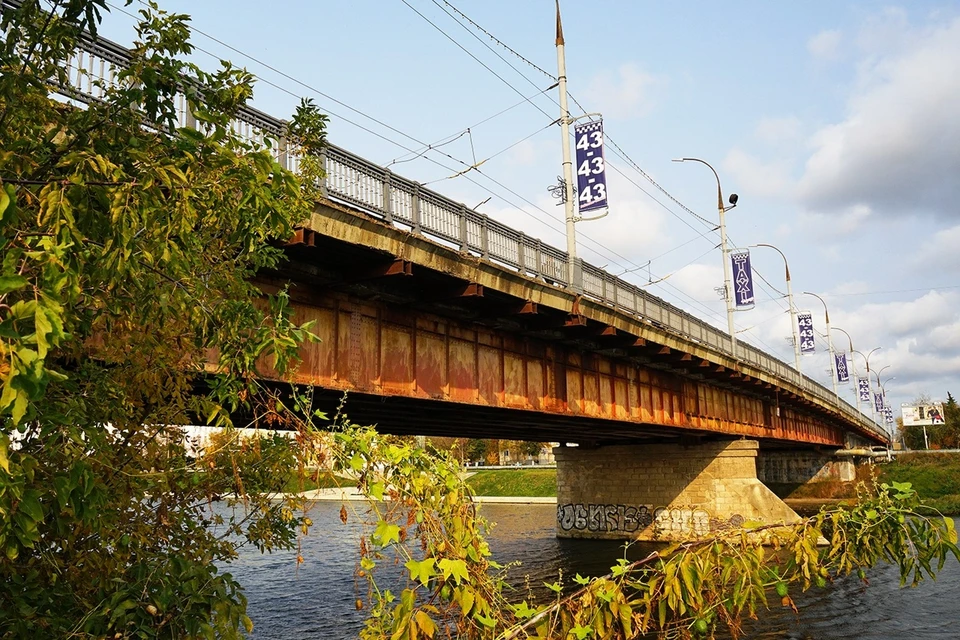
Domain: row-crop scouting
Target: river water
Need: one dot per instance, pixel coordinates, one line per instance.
(316, 599)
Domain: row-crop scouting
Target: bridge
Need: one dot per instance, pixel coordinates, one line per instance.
(438, 320)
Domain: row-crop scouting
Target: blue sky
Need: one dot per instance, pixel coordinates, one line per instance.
(836, 122)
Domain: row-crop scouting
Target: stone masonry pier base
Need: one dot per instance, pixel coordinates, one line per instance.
(662, 491)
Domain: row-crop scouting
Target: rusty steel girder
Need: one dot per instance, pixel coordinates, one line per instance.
(378, 349)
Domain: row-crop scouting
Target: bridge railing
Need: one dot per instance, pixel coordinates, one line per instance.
(399, 201)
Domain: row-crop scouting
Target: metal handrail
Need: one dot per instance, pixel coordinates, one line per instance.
(376, 190)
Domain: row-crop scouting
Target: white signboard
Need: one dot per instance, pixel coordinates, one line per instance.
(922, 414)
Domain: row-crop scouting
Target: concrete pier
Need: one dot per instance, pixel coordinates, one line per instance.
(662, 491)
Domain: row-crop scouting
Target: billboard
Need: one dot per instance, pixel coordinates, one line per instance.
(916, 415)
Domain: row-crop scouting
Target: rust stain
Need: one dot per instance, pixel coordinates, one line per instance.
(430, 369)
(490, 379)
(396, 368)
(463, 370)
(380, 349)
(514, 388)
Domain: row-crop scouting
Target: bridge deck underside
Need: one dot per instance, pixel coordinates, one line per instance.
(422, 352)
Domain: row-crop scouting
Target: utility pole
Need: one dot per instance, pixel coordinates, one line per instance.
(724, 251)
(833, 357)
(569, 202)
(793, 307)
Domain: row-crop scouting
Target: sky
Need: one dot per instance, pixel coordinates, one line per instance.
(836, 122)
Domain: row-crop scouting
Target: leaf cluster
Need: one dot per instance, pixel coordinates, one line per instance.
(127, 244)
(452, 587)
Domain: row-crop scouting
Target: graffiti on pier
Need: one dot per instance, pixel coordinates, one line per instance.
(603, 517)
(621, 518)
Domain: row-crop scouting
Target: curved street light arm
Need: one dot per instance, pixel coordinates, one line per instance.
(715, 175)
(786, 267)
(826, 312)
(849, 339)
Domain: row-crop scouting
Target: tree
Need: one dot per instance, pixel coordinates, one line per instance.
(476, 449)
(951, 422)
(126, 247)
(450, 585)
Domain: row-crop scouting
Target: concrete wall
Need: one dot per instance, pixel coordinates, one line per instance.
(662, 491)
(800, 467)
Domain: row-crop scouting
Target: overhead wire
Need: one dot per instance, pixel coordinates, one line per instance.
(522, 75)
(469, 53)
(476, 165)
(462, 132)
(618, 150)
(550, 222)
(497, 40)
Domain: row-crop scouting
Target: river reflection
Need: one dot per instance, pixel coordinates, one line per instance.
(317, 599)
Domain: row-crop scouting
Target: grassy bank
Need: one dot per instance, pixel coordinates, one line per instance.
(517, 483)
(935, 476)
(323, 480)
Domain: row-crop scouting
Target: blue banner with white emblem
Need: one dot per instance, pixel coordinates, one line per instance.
(878, 401)
(591, 169)
(863, 388)
(843, 374)
(742, 279)
(805, 326)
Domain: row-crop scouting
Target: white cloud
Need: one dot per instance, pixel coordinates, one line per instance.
(527, 153)
(836, 223)
(825, 45)
(635, 228)
(699, 281)
(898, 150)
(757, 177)
(941, 251)
(919, 340)
(630, 93)
(778, 130)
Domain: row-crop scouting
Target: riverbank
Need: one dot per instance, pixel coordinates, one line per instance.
(935, 477)
(342, 494)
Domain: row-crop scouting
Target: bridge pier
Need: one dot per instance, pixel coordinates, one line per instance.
(802, 467)
(662, 491)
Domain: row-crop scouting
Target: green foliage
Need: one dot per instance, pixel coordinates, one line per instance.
(527, 482)
(476, 449)
(934, 476)
(449, 585)
(126, 247)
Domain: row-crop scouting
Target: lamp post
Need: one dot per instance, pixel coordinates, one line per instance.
(877, 373)
(727, 276)
(873, 404)
(854, 361)
(883, 394)
(833, 362)
(793, 307)
(568, 201)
